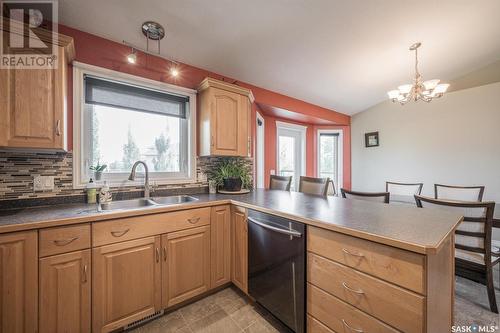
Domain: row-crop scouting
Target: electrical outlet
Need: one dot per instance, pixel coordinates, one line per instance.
(43, 183)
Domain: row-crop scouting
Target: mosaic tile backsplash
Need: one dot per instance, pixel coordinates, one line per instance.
(18, 168)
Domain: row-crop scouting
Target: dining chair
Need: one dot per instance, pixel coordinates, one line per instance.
(382, 197)
(474, 258)
(282, 183)
(462, 193)
(403, 192)
(312, 185)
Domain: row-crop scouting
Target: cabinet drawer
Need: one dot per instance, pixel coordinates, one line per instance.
(64, 239)
(398, 266)
(400, 308)
(315, 326)
(120, 230)
(340, 316)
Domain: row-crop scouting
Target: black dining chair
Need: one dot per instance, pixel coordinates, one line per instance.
(282, 183)
(312, 185)
(403, 192)
(462, 193)
(382, 197)
(474, 258)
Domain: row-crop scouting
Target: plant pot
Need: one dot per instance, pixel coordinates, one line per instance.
(232, 184)
(97, 175)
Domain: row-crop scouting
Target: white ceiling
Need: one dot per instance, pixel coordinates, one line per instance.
(339, 54)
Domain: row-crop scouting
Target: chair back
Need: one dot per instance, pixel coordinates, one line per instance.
(403, 192)
(382, 197)
(473, 235)
(316, 186)
(462, 193)
(282, 183)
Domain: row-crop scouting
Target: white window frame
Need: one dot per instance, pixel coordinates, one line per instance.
(302, 130)
(261, 150)
(340, 153)
(81, 69)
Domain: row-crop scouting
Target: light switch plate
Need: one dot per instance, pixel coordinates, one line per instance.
(43, 183)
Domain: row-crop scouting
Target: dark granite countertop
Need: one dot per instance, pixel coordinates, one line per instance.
(402, 226)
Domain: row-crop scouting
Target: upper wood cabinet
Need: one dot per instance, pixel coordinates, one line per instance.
(65, 293)
(220, 246)
(186, 264)
(239, 264)
(224, 119)
(33, 102)
(126, 283)
(19, 282)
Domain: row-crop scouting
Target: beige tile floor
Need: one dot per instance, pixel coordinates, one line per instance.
(228, 311)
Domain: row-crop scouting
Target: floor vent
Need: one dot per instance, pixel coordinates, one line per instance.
(144, 320)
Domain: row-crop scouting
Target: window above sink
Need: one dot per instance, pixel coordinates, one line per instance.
(121, 118)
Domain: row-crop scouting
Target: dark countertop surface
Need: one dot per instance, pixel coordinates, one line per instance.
(402, 226)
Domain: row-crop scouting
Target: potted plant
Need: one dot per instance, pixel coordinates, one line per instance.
(232, 175)
(98, 169)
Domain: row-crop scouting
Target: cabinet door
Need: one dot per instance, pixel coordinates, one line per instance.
(239, 265)
(220, 246)
(33, 106)
(19, 282)
(226, 126)
(186, 265)
(65, 293)
(126, 283)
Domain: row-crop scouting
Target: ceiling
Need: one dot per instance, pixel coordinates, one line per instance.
(339, 54)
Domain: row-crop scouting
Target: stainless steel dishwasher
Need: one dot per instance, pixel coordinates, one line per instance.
(276, 267)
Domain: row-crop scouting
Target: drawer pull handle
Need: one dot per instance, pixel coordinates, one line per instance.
(359, 291)
(193, 220)
(359, 255)
(119, 233)
(164, 253)
(157, 255)
(351, 328)
(84, 279)
(63, 242)
(58, 127)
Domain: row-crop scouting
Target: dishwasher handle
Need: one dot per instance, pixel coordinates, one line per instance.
(289, 232)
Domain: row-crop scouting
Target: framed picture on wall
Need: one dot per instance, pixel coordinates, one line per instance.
(371, 139)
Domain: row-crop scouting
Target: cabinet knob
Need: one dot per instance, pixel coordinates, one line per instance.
(58, 127)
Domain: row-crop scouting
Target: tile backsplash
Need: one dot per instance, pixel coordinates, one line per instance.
(18, 168)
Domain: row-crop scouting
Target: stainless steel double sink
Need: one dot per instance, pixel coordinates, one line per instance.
(142, 203)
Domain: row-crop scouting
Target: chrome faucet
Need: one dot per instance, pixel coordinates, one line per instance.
(146, 180)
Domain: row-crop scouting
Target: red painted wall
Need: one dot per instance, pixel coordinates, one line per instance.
(98, 51)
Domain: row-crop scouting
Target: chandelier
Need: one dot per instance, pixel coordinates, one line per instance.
(419, 90)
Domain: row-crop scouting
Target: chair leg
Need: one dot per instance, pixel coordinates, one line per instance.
(491, 289)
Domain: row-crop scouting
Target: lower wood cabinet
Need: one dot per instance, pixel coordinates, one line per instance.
(239, 264)
(220, 246)
(126, 282)
(19, 282)
(186, 267)
(65, 293)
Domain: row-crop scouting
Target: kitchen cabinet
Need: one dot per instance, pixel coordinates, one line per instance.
(126, 282)
(220, 246)
(186, 264)
(33, 102)
(239, 262)
(19, 282)
(224, 119)
(65, 292)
